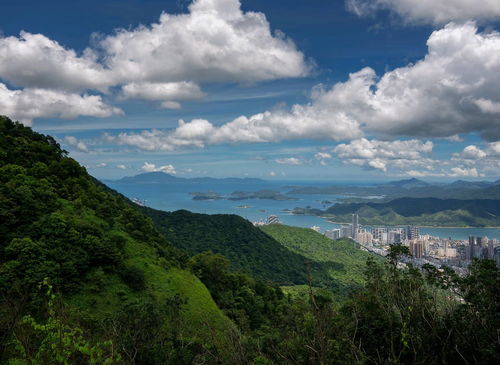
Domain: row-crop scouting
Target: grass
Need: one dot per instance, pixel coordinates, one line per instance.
(103, 294)
(317, 247)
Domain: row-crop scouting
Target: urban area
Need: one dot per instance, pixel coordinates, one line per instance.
(425, 249)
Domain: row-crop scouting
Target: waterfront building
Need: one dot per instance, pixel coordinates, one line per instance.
(333, 234)
(394, 237)
(346, 231)
(355, 227)
(273, 219)
(412, 233)
(365, 237)
(379, 234)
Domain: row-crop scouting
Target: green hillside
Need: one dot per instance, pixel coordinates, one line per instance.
(248, 248)
(96, 250)
(86, 278)
(417, 211)
(349, 259)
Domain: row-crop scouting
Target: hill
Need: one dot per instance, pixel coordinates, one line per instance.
(97, 253)
(318, 247)
(421, 211)
(248, 248)
(164, 178)
(412, 188)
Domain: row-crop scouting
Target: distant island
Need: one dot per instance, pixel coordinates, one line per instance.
(416, 211)
(164, 178)
(242, 195)
(413, 188)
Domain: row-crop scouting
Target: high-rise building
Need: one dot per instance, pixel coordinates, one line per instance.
(412, 233)
(394, 237)
(345, 231)
(365, 237)
(379, 234)
(333, 234)
(416, 248)
(354, 226)
(273, 219)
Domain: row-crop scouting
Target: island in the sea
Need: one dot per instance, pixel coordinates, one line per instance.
(242, 195)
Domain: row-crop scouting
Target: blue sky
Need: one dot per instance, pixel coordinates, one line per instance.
(319, 89)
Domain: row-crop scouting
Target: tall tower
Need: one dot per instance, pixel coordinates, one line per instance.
(354, 226)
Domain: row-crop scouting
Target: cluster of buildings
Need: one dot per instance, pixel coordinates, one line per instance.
(272, 219)
(424, 248)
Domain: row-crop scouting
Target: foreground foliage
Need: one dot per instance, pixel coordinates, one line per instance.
(85, 277)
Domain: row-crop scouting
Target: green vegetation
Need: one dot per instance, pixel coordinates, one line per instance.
(417, 211)
(100, 254)
(86, 278)
(249, 249)
(348, 261)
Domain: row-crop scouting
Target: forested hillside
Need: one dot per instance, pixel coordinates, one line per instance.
(248, 248)
(86, 278)
(349, 259)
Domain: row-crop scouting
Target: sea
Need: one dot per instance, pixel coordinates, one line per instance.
(176, 196)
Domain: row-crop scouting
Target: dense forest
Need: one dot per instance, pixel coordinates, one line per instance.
(87, 278)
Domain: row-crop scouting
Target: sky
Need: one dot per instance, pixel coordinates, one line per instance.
(354, 90)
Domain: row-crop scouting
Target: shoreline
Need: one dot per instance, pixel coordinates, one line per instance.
(400, 225)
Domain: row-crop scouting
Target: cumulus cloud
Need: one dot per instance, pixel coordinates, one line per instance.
(473, 152)
(289, 161)
(382, 154)
(429, 11)
(322, 156)
(78, 144)
(166, 61)
(35, 61)
(121, 167)
(151, 167)
(435, 97)
(170, 93)
(27, 104)
(439, 96)
(464, 172)
(216, 41)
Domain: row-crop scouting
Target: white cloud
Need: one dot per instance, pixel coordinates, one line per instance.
(430, 11)
(464, 172)
(168, 92)
(166, 61)
(216, 41)
(121, 167)
(383, 154)
(289, 161)
(150, 167)
(25, 105)
(322, 156)
(272, 173)
(35, 61)
(75, 142)
(435, 97)
(473, 152)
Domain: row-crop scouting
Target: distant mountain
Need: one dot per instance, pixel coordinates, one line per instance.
(164, 178)
(418, 211)
(407, 184)
(413, 188)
